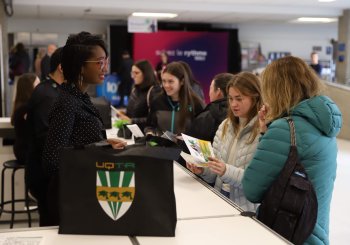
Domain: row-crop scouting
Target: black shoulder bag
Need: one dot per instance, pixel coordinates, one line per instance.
(290, 205)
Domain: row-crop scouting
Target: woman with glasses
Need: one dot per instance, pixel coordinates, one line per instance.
(73, 118)
(145, 88)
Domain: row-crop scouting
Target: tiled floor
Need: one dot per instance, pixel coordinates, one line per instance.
(340, 221)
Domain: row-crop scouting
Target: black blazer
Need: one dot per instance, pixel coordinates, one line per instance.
(73, 121)
(39, 105)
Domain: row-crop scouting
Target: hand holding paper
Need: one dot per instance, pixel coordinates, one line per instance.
(200, 151)
(216, 166)
(194, 169)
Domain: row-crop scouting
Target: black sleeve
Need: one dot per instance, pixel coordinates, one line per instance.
(62, 118)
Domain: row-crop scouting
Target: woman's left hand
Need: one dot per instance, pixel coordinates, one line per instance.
(216, 166)
(262, 118)
(117, 143)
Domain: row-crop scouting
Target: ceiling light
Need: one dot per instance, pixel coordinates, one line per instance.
(155, 15)
(326, 1)
(313, 19)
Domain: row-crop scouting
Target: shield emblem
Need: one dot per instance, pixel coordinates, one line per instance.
(115, 189)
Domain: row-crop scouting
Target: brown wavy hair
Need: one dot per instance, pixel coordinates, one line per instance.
(248, 85)
(285, 83)
(24, 90)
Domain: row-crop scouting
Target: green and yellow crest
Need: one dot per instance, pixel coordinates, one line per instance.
(115, 187)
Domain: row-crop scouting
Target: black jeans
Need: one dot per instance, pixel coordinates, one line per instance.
(39, 191)
(53, 200)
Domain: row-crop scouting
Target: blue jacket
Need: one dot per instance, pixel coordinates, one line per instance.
(317, 122)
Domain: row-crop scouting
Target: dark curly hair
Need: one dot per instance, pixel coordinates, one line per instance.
(55, 60)
(79, 48)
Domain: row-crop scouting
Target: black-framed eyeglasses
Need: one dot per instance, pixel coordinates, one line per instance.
(103, 62)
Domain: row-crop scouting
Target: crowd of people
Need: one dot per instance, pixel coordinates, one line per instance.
(244, 121)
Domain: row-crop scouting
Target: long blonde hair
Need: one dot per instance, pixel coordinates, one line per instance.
(248, 85)
(285, 83)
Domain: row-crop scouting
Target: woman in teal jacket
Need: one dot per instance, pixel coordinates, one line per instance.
(290, 87)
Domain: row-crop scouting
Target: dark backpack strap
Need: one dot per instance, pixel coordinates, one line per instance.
(292, 159)
(148, 96)
(293, 140)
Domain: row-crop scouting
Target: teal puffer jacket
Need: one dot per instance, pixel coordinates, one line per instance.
(317, 121)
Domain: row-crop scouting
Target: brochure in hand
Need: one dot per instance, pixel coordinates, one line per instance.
(200, 151)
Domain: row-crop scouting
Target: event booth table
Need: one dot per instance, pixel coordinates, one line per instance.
(204, 217)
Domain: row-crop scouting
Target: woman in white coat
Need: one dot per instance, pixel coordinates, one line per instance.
(235, 141)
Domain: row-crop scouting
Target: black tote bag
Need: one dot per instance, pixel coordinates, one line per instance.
(108, 192)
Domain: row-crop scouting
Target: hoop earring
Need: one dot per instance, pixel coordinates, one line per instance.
(80, 82)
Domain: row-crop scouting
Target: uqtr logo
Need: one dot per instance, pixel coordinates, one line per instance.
(115, 187)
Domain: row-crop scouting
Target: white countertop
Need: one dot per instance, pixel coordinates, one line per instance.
(194, 200)
(214, 231)
(50, 236)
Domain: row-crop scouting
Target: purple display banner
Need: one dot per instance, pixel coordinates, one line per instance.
(205, 52)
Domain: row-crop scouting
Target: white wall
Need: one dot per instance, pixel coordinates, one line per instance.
(296, 38)
(63, 27)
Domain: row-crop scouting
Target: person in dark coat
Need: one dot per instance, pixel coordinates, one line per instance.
(125, 85)
(45, 62)
(145, 89)
(315, 65)
(206, 123)
(39, 106)
(19, 61)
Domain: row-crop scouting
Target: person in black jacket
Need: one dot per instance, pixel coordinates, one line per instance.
(45, 62)
(19, 62)
(39, 106)
(145, 89)
(315, 65)
(125, 85)
(73, 118)
(206, 123)
(174, 108)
